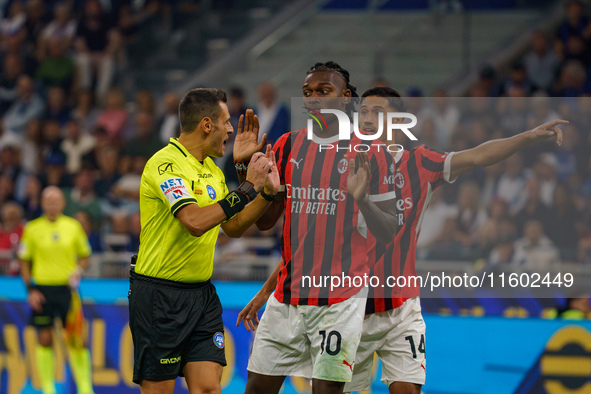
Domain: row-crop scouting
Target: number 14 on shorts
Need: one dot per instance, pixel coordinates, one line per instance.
(412, 345)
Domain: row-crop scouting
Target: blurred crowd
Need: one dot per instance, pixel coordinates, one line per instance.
(65, 121)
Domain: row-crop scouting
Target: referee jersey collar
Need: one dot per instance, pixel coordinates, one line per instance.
(174, 142)
(177, 145)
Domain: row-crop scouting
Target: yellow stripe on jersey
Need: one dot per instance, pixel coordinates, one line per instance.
(53, 248)
(172, 179)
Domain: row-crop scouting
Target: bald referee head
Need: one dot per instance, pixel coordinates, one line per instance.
(53, 202)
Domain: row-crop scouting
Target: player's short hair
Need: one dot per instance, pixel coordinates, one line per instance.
(394, 99)
(198, 104)
(331, 66)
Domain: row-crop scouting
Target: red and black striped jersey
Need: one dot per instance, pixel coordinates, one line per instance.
(324, 234)
(418, 172)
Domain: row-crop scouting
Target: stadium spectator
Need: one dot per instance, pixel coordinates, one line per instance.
(489, 182)
(125, 191)
(54, 171)
(57, 68)
(114, 117)
(512, 182)
(95, 45)
(434, 219)
(541, 62)
(135, 227)
(62, 28)
(31, 200)
(564, 217)
(36, 21)
(94, 237)
(518, 79)
(575, 24)
(146, 141)
(82, 197)
(57, 108)
(272, 113)
(572, 80)
(533, 207)
(107, 174)
(236, 105)
(502, 254)
(535, 251)
(13, 26)
(470, 214)
(12, 69)
(11, 230)
(84, 110)
(75, 146)
(445, 115)
(28, 106)
(6, 189)
(168, 123)
(52, 138)
(545, 169)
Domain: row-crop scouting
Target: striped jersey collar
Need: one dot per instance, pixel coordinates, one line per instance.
(174, 142)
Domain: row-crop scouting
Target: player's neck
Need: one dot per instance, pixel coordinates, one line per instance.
(193, 145)
(53, 217)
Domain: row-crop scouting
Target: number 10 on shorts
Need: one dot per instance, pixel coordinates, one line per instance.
(332, 341)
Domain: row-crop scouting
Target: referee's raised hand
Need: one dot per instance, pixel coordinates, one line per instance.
(246, 142)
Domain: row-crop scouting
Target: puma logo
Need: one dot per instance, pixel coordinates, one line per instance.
(422, 366)
(297, 163)
(349, 365)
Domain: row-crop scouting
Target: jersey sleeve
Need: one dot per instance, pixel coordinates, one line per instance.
(83, 248)
(282, 150)
(167, 182)
(436, 165)
(25, 251)
(381, 184)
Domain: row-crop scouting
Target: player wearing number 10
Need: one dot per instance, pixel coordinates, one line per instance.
(307, 331)
(394, 326)
(175, 313)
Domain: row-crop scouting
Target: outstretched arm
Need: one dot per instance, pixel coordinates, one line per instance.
(248, 316)
(494, 151)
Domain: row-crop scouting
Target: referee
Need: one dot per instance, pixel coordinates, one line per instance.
(53, 253)
(175, 315)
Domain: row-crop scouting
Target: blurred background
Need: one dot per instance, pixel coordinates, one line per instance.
(89, 90)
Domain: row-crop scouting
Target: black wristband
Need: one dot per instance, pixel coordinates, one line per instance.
(233, 203)
(267, 196)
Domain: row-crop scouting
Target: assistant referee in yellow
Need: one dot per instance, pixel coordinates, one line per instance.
(53, 252)
(175, 313)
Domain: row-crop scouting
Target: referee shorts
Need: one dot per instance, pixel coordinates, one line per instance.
(57, 303)
(173, 323)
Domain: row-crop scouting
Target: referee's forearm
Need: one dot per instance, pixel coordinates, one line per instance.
(247, 217)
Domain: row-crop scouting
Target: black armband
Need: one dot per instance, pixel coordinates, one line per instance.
(237, 199)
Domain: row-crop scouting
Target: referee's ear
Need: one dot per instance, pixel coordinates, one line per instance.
(206, 125)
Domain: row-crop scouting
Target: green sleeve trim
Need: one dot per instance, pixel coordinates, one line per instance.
(181, 203)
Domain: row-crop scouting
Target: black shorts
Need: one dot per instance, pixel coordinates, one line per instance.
(57, 303)
(173, 323)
